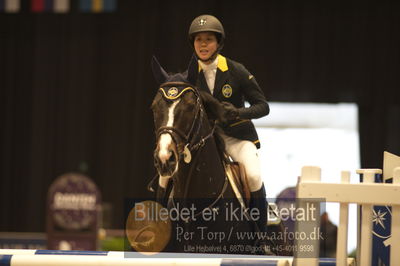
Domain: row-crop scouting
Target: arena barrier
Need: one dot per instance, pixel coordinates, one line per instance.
(366, 195)
(309, 187)
(26, 257)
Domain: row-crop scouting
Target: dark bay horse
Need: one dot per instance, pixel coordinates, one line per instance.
(189, 156)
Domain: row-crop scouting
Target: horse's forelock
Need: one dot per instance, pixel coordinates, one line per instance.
(178, 77)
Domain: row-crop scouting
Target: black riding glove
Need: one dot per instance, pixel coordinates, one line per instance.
(230, 111)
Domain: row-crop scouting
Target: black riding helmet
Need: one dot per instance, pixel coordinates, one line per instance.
(207, 23)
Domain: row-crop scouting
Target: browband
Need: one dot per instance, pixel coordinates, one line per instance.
(171, 90)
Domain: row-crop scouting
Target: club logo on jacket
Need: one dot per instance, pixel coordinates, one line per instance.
(227, 91)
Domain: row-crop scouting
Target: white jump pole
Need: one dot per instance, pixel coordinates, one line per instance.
(341, 245)
(14, 257)
(395, 238)
(366, 220)
(311, 258)
(73, 260)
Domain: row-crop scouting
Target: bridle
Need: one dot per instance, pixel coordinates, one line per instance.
(192, 140)
(187, 140)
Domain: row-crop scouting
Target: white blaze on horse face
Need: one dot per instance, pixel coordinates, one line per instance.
(166, 139)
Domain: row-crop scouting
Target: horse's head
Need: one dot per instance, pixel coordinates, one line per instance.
(176, 109)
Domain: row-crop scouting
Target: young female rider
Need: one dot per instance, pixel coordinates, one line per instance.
(232, 84)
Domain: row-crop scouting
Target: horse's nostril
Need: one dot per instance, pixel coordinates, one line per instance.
(165, 156)
(165, 164)
(157, 161)
(171, 158)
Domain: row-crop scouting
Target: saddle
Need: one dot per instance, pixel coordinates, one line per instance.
(235, 172)
(238, 179)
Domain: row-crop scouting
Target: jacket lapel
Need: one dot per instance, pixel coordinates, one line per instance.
(220, 81)
(222, 74)
(201, 82)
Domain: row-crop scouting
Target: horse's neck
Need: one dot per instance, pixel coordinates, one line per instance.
(205, 173)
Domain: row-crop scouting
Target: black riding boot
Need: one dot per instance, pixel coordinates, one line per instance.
(258, 200)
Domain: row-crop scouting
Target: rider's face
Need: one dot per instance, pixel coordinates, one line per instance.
(205, 45)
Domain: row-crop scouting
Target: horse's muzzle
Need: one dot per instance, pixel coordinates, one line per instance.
(167, 165)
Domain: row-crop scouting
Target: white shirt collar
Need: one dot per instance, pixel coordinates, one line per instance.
(212, 66)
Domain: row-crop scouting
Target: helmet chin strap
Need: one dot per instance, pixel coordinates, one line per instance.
(210, 59)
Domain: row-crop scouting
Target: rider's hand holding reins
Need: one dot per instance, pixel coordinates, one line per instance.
(231, 112)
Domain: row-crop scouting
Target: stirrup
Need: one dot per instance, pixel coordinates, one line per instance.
(273, 216)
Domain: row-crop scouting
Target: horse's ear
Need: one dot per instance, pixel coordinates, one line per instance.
(193, 70)
(158, 72)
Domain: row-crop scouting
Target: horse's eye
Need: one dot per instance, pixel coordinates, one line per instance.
(154, 105)
(190, 100)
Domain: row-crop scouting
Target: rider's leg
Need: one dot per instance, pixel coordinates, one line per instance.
(245, 152)
(258, 201)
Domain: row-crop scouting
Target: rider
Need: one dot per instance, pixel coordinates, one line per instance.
(232, 84)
